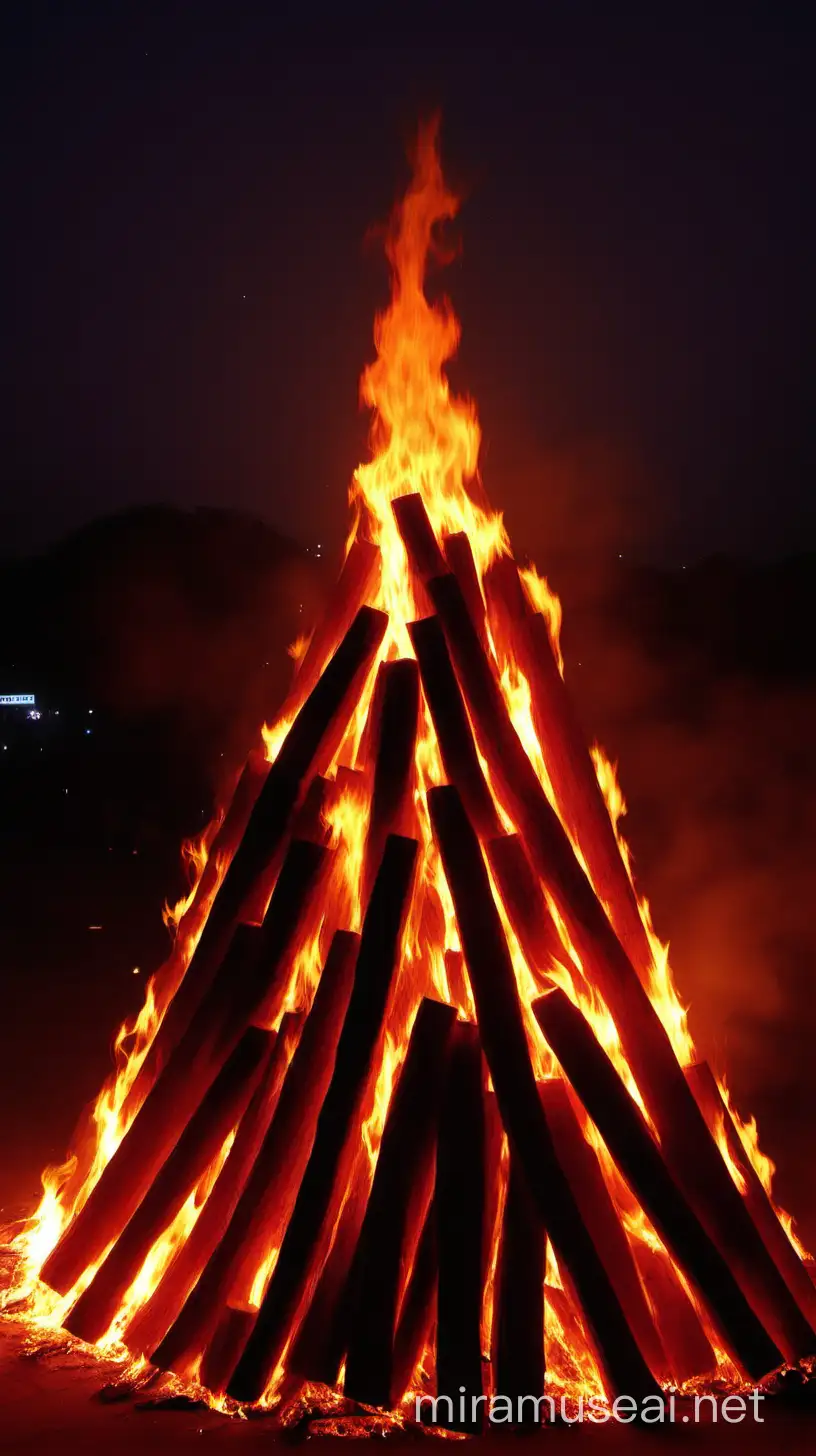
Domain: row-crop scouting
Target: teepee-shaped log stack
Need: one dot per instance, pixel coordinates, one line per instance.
(421, 1091)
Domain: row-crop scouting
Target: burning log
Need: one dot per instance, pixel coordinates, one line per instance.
(308, 821)
(226, 841)
(450, 720)
(523, 899)
(423, 549)
(316, 1353)
(688, 1349)
(154, 1319)
(230, 1005)
(712, 1104)
(418, 1309)
(220, 1111)
(686, 1142)
(356, 579)
(394, 761)
(493, 982)
(338, 1123)
(308, 747)
(583, 1172)
(569, 765)
(459, 1199)
(623, 1129)
(396, 1208)
(518, 1323)
(459, 559)
(259, 1217)
(224, 1350)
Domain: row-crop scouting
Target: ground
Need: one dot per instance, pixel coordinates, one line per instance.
(51, 1404)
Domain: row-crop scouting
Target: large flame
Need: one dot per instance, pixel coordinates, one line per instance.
(424, 439)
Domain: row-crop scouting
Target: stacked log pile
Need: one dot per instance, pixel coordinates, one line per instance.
(359, 1224)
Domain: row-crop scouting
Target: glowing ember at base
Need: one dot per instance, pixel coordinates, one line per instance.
(414, 1105)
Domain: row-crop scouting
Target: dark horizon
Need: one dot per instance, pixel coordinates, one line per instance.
(191, 277)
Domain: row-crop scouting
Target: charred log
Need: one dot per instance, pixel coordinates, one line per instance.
(338, 1123)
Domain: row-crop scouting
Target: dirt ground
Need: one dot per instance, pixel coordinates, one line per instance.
(51, 1406)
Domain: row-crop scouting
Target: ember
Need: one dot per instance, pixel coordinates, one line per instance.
(413, 1105)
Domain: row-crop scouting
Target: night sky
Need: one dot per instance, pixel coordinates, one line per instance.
(189, 277)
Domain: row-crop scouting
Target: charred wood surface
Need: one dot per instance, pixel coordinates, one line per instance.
(338, 1126)
(252, 961)
(583, 1171)
(459, 1201)
(631, 1145)
(499, 1014)
(450, 721)
(220, 1111)
(713, 1107)
(394, 761)
(459, 559)
(155, 1318)
(523, 899)
(424, 551)
(396, 1209)
(259, 1217)
(569, 764)
(308, 748)
(518, 1320)
(418, 1311)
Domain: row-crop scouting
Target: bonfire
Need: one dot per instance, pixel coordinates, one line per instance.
(412, 1109)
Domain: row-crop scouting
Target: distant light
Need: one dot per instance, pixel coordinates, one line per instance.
(34, 714)
(135, 970)
(90, 710)
(94, 927)
(88, 731)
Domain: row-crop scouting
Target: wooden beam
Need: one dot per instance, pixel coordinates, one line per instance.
(504, 1038)
(229, 1007)
(450, 720)
(527, 910)
(396, 1209)
(710, 1100)
(518, 1322)
(338, 1126)
(259, 1218)
(583, 1172)
(220, 1111)
(154, 1319)
(307, 749)
(394, 762)
(459, 1201)
(631, 1145)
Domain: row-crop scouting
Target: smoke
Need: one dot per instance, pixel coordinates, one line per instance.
(719, 777)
